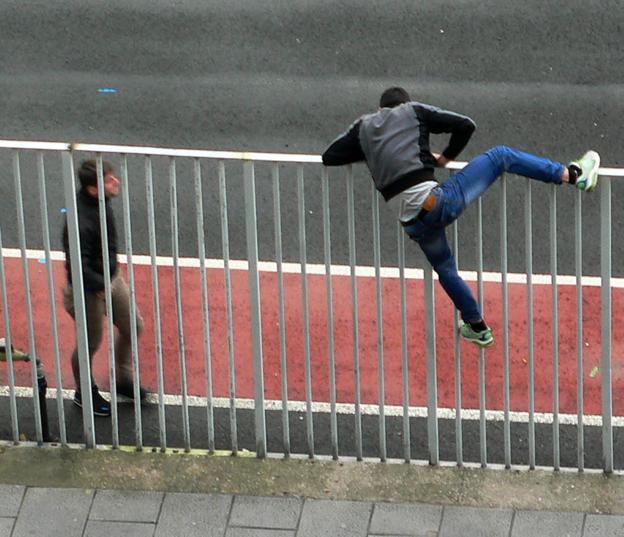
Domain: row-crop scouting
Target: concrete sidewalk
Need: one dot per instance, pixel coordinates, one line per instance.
(75, 492)
(66, 512)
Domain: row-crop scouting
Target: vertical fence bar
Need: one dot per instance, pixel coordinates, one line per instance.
(178, 296)
(9, 349)
(380, 339)
(79, 298)
(108, 301)
(555, 324)
(134, 336)
(459, 451)
(43, 198)
(605, 320)
(528, 241)
(432, 385)
(201, 252)
(480, 299)
(254, 305)
(354, 313)
(149, 192)
(578, 264)
(306, 312)
(225, 240)
(277, 221)
(32, 351)
(330, 313)
(505, 293)
(407, 453)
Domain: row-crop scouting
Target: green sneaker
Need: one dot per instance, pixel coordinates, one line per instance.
(588, 164)
(483, 338)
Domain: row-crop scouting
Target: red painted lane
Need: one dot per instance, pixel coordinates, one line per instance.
(193, 333)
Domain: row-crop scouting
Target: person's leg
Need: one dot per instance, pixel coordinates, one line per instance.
(94, 309)
(429, 233)
(435, 247)
(123, 342)
(478, 175)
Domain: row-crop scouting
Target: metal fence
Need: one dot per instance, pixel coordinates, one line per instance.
(320, 401)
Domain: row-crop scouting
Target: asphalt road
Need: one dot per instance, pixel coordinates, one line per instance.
(289, 76)
(322, 434)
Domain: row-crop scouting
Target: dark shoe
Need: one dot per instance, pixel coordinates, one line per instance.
(127, 390)
(101, 407)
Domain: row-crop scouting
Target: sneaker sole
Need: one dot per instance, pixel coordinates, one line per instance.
(592, 176)
(95, 412)
(483, 345)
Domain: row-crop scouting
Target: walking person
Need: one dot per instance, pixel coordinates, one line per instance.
(93, 281)
(394, 143)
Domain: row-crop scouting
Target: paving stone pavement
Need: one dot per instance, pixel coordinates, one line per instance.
(51, 512)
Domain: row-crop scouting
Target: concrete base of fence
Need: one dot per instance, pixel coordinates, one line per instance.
(372, 481)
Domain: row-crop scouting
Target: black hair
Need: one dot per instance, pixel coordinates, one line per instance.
(393, 97)
(87, 173)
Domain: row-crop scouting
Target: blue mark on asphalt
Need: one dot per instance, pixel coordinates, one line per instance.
(107, 90)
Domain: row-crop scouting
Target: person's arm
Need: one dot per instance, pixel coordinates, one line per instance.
(90, 250)
(442, 121)
(345, 149)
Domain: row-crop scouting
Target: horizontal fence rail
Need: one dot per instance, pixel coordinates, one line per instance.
(274, 306)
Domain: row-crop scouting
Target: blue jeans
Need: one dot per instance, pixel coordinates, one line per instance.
(459, 191)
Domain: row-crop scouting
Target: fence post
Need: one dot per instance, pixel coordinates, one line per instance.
(555, 326)
(354, 313)
(580, 388)
(79, 298)
(112, 368)
(432, 376)
(505, 305)
(173, 198)
(605, 322)
(307, 365)
(32, 351)
(254, 304)
(481, 299)
(7, 349)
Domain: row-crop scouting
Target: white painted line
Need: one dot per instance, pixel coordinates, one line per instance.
(336, 270)
(345, 408)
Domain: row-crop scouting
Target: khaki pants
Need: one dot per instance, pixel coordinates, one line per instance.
(95, 306)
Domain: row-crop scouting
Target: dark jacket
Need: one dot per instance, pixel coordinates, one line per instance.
(91, 242)
(394, 142)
